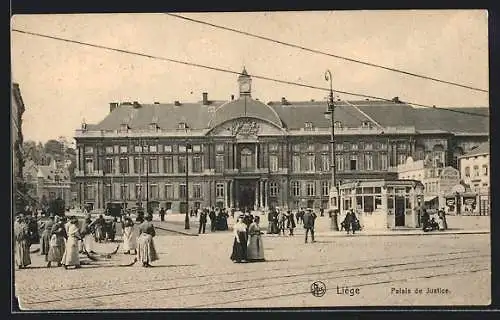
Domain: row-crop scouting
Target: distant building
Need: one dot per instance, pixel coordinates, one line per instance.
(475, 173)
(439, 182)
(246, 153)
(49, 182)
(17, 110)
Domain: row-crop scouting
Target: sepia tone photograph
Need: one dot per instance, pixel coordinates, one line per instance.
(241, 160)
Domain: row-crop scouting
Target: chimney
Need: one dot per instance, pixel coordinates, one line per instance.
(156, 102)
(177, 103)
(396, 100)
(232, 97)
(113, 106)
(283, 101)
(205, 98)
(136, 104)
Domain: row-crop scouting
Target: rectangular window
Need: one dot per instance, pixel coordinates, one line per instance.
(153, 148)
(219, 148)
(153, 192)
(167, 148)
(368, 146)
(123, 149)
(89, 165)
(384, 161)
(311, 159)
(219, 163)
(123, 165)
(182, 191)
(296, 163)
(476, 171)
(296, 147)
(169, 191)
(109, 149)
(310, 147)
(124, 192)
(108, 166)
(273, 147)
(340, 162)
(89, 192)
(325, 147)
(196, 148)
(401, 158)
(138, 165)
(467, 172)
(182, 148)
(485, 170)
(138, 149)
(219, 191)
(197, 191)
(325, 188)
(108, 192)
(273, 189)
(325, 162)
(296, 188)
(310, 189)
(273, 163)
(153, 165)
(339, 147)
(308, 126)
(353, 163)
(383, 146)
(354, 146)
(138, 192)
(89, 150)
(168, 165)
(182, 164)
(368, 162)
(197, 164)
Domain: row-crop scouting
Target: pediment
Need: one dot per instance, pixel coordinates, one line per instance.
(245, 128)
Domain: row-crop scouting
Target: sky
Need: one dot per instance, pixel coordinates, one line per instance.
(63, 84)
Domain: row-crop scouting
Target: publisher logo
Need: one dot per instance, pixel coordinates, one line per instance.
(318, 289)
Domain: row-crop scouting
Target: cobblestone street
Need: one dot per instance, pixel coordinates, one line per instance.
(196, 272)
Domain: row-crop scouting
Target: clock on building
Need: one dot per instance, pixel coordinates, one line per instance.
(245, 87)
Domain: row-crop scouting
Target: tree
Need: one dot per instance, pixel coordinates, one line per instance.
(54, 147)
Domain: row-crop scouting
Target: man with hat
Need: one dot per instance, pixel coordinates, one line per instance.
(22, 242)
(308, 220)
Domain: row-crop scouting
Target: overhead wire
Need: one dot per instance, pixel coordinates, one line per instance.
(296, 46)
(98, 46)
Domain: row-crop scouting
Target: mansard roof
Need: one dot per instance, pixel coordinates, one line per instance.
(294, 115)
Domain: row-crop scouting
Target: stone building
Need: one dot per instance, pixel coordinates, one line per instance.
(17, 110)
(246, 153)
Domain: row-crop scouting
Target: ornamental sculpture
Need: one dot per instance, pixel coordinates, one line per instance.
(245, 128)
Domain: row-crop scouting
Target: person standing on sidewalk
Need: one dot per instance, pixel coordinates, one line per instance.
(162, 214)
(308, 221)
(22, 239)
(290, 221)
(57, 243)
(129, 237)
(212, 217)
(146, 251)
(203, 221)
(239, 253)
(71, 255)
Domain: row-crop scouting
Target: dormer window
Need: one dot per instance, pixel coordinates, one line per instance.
(153, 126)
(182, 125)
(366, 124)
(124, 127)
(308, 126)
(338, 124)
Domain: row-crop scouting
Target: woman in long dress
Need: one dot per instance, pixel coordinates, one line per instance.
(22, 239)
(57, 243)
(255, 248)
(45, 239)
(86, 233)
(146, 251)
(129, 236)
(71, 255)
(239, 253)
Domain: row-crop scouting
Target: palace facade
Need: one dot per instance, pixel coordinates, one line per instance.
(246, 153)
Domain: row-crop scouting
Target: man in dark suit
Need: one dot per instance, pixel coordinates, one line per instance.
(203, 221)
(308, 220)
(212, 217)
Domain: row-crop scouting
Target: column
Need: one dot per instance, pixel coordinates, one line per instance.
(256, 162)
(231, 198)
(266, 193)
(226, 189)
(256, 204)
(261, 193)
(384, 206)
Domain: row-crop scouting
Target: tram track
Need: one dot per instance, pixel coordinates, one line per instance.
(239, 272)
(347, 272)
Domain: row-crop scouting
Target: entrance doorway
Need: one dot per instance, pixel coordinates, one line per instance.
(246, 194)
(399, 211)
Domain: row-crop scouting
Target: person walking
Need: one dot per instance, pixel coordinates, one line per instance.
(255, 249)
(308, 222)
(57, 243)
(129, 236)
(86, 233)
(239, 253)
(22, 242)
(45, 238)
(270, 217)
(162, 214)
(146, 251)
(290, 221)
(203, 221)
(71, 256)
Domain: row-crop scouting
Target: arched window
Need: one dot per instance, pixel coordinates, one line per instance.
(247, 159)
(467, 172)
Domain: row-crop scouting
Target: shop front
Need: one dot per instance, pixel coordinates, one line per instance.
(383, 204)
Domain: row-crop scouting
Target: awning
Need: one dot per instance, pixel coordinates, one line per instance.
(429, 198)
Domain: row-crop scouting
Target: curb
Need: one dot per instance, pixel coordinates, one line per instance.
(177, 231)
(405, 234)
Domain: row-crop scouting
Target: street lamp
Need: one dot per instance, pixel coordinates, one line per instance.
(186, 219)
(331, 113)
